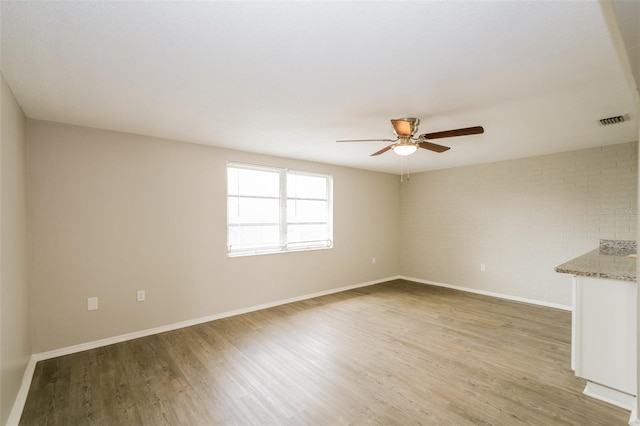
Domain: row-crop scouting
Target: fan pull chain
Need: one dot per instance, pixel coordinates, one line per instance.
(402, 159)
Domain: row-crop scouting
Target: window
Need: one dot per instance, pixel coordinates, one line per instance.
(272, 210)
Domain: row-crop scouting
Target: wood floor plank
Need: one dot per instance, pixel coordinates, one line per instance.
(393, 353)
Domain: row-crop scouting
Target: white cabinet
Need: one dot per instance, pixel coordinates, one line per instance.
(605, 351)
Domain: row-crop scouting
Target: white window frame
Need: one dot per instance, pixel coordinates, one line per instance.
(284, 245)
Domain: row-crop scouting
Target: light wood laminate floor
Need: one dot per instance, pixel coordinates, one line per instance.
(393, 353)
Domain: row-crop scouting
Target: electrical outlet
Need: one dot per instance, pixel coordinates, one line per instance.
(483, 267)
(92, 304)
(140, 296)
(373, 260)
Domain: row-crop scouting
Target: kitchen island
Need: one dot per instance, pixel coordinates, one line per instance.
(604, 324)
(614, 259)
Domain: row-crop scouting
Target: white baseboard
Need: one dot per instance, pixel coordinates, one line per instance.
(615, 397)
(182, 324)
(491, 293)
(21, 398)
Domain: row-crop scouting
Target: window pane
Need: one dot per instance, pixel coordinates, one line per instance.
(253, 210)
(307, 233)
(263, 183)
(306, 186)
(259, 222)
(249, 236)
(306, 211)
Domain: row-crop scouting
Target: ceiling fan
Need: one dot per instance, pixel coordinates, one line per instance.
(405, 144)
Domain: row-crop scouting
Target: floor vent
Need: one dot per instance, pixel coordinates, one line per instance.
(612, 120)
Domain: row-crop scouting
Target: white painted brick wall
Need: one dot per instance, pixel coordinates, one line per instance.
(519, 217)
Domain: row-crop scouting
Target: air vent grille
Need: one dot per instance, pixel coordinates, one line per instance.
(612, 120)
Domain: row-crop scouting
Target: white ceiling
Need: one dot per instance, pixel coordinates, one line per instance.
(289, 78)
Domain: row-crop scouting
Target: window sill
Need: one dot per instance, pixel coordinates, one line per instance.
(260, 253)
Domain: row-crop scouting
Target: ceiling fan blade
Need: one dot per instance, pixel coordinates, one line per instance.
(383, 150)
(402, 127)
(366, 140)
(476, 130)
(433, 147)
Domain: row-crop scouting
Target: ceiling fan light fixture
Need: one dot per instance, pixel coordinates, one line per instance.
(405, 144)
(405, 149)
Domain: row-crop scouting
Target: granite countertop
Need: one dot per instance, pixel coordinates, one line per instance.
(611, 261)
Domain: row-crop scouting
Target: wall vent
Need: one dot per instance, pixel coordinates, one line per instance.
(612, 120)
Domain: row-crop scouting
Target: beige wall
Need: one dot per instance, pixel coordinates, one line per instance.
(113, 213)
(15, 327)
(521, 218)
